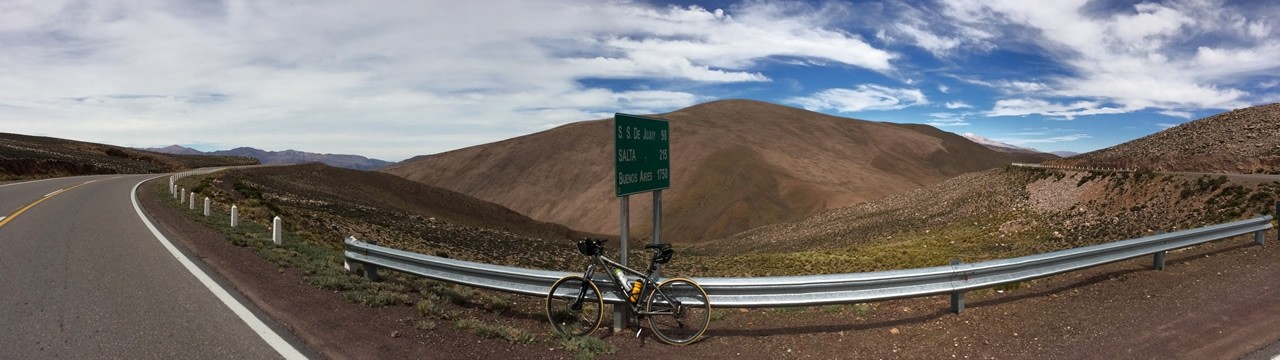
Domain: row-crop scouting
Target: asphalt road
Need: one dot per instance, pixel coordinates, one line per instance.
(82, 276)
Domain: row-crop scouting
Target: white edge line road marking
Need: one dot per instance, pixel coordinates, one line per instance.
(274, 340)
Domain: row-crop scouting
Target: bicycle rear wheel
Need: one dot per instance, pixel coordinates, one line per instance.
(678, 311)
(574, 306)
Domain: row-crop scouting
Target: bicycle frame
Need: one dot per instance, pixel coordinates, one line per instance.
(648, 284)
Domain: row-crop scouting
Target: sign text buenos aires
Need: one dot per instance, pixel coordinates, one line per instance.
(642, 157)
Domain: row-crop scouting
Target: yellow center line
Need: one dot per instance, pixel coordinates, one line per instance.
(5, 220)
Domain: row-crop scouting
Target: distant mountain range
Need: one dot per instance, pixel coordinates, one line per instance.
(356, 162)
(1022, 153)
(31, 157)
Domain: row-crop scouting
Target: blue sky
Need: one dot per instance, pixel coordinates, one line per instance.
(394, 79)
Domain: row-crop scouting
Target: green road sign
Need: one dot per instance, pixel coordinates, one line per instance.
(642, 154)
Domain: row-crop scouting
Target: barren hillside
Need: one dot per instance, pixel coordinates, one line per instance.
(1239, 141)
(736, 165)
(23, 156)
(998, 213)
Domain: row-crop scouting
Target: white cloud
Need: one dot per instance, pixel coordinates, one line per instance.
(1166, 125)
(1177, 114)
(418, 77)
(943, 88)
(957, 105)
(924, 27)
(1193, 54)
(1023, 87)
(864, 97)
(1011, 87)
(1047, 140)
(990, 142)
(942, 119)
(1022, 107)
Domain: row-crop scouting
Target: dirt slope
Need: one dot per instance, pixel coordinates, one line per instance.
(736, 165)
(1239, 141)
(23, 156)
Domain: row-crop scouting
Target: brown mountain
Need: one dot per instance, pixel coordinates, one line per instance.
(1239, 141)
(23, 156)
(736, 165)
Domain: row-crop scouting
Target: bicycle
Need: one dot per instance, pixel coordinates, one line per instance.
(677, 309)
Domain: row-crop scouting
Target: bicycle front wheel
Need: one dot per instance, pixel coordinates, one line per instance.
(574, 306)
(678, 311)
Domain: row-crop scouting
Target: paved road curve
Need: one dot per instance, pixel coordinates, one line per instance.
(82, 276)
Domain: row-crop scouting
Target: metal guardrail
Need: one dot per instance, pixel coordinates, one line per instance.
(780, 291)
(173, 179)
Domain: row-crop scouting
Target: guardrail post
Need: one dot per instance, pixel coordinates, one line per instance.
(346, 261)
(957, 297)
(275, 231)
(371, 270)
(206, 206)
(235, 213)
(1158, 261)
(182, 194)
(193, 201)
(1259, 237)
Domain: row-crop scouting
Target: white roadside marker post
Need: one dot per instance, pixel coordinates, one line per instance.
(275, 231)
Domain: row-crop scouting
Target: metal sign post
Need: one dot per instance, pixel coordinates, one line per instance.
(619, 311)
(642, 163)
(657, 225)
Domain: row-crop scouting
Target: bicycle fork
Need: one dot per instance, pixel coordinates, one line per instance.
(576, 305)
